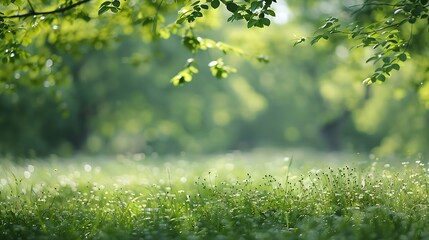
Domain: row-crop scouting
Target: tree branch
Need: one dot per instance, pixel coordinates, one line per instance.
(59, 10)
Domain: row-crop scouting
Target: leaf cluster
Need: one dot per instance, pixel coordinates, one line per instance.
(217, 67)
(255, 13)
(113, 6)
(389, 38)
(186, 74)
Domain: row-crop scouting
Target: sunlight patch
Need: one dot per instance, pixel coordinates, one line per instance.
(229, 166)
(283, 13)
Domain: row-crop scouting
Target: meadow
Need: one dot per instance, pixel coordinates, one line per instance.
(261, 195)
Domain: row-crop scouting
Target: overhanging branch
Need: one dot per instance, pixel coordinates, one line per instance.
(59, 10)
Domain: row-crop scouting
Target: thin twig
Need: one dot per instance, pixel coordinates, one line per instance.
(32, 12)
(31, 6)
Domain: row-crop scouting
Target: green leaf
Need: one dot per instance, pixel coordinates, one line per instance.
(408, 8)
(114, 9)
(178, 80)
(396, 66)
(192, 69)
(263, 59)
(299, 41)
(316, 39)
(255, 5)
(266, 21)
(215, 4)
(368, 40)
(251, 23)
(381, 77)
(106, 3)
(326, 25)
(259, 24)
(191, 42)
(190, 19)
(232, 7)
(271, 13)
(402, 57)
(386, 59)
(195, 3)
(371, 59)
(417, 11)
(181, 20)
(116, 3)
(197, 14)
(102, 10)
(367, 81)
(84, 16)
(184, 76)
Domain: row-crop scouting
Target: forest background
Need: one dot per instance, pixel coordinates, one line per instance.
(103, 86)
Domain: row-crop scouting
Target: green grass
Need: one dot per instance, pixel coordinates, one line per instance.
(257, 196)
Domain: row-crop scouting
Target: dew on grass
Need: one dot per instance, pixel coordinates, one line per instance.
(87, 168)
(27, 174)
(3, 181)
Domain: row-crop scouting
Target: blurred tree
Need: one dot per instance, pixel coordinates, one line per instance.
(63, 59)
(389, 118)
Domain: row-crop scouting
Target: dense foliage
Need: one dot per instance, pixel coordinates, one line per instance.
(389, 27)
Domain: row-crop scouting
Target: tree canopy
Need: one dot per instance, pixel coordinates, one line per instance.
(389, 27)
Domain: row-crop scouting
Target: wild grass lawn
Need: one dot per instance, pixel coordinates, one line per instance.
(233, 196)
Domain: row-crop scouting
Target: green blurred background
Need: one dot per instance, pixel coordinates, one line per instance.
(118, 98)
